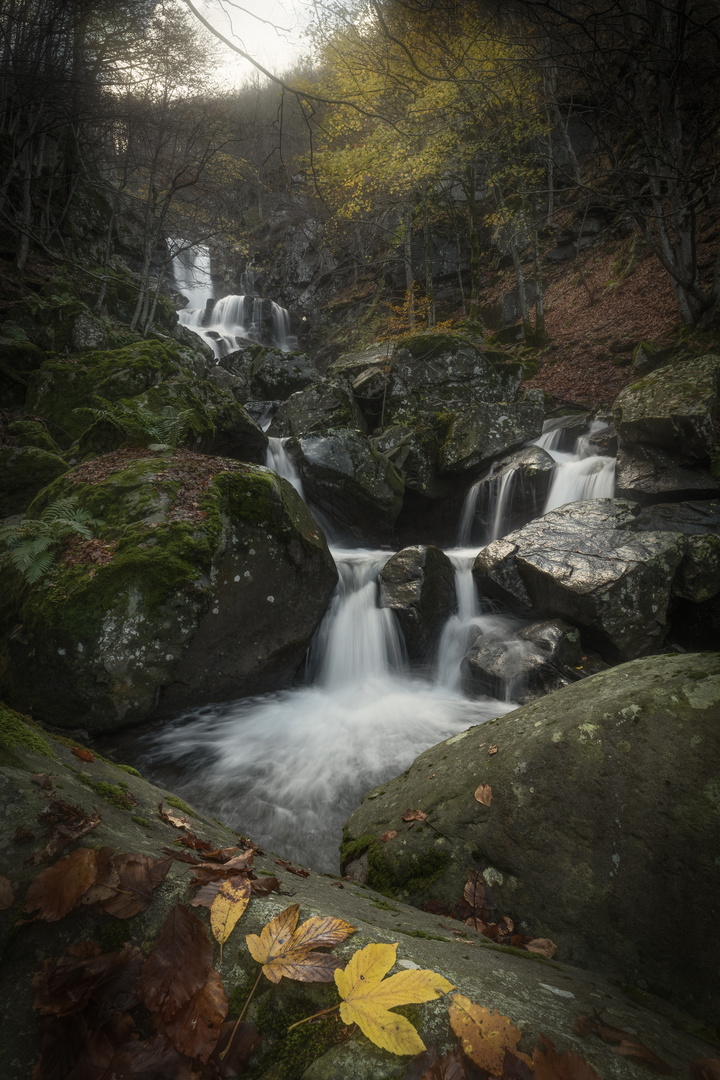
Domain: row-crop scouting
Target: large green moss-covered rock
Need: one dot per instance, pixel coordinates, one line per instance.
(61, 387)
(206, 582)
(674, 407)
(603, 828)
(541, 997)
(24, 471)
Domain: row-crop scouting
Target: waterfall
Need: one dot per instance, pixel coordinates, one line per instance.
(287, 768)
(235, 320)
(278, 460)
(581, 474)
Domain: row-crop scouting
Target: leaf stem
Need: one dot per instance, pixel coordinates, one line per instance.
(323, 1012)
(222, 1054)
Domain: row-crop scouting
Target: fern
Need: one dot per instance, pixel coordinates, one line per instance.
(162, 430)
(31, 545)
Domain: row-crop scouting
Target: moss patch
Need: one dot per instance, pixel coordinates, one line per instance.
(172, 800)
(292, 1053)
(17, 730)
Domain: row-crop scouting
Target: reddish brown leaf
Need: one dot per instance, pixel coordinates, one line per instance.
(206, 894)
(474, 891)
(414, 815)
(83, 754)
(515, 1069)
(43, 780)
(293, 869)
(244, 1043)
(483, 794)
(337, 884)
(23, 836)
(174, 819)
(178, 965)
(707, 1069)
(106, 878)
(549, 1065)
(153, 1059)
(227, 854)
(265, 885)
(107, 981)
(389, 835)
(492, 749)
(621, 1041)
(7, 893)
(195, 1027)
(541, 945)
(194, 842)
(138, 875)
(72, 824)
(182, 856)
(435, 907)
(58, 889)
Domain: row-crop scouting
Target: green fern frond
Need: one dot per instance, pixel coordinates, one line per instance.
(30, 543)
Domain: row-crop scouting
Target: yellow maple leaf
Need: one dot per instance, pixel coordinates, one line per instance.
(228, 906)
(368, 997)
(485, 1035)
(285, 951)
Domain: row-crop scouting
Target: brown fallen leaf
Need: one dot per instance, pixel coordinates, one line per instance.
(414, 815)
(23, 836)
(707, 1069)
(483, 794)
(57, 890)
(622, 1042)
(7, 893)
(137, 875)
(149, 1060)
(492, 749)
(72, 824)
(86, 976)
(541, 945)
(194, 842)
(195, 1028)
(293, 869)
(286, 952)
(337, 884)
(178, 965)
(549, 1065)
(229, 904)
(43, 780)
(484, 1035)
(265, 885)
(389, 835)
(84, 754)
(432, 776)
(106, 879)
(174, 819)
(245, 1042)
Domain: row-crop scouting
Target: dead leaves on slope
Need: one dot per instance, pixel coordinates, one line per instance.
(485, 1036)
(474, 910)
(622, 1042)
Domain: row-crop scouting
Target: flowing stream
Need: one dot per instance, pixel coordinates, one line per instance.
(287, 768)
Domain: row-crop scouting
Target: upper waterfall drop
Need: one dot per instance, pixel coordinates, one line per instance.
(234, 320)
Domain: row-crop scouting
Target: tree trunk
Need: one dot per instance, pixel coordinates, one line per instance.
(409, 277)
(427, 242)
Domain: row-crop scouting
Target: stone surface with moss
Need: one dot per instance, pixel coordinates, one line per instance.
(204, 596)
(675, 407)
(24, 471)
(317, 410)
(541, 997)
(603, 823)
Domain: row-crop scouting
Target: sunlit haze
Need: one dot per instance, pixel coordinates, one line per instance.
(272, 31)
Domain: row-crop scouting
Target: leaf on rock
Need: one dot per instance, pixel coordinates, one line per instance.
(7, 893)
(485, 1035)
(549, 1065)
(414, 815)
(72, 824)
(542, 945)
(85, 976)
(368, 997)
(389, 835)
(57, 890)
(621, 1041)
(178, 965)
(84, 754)
(43, 780)
(151, 1059)
(245, 1042)
(492, 749)
(137, 875)
(451, 1066)
(195, 1028)
(285, 951)
(194, 842)
(232, 898)
(23, 836)
(174, 819)
(265, 885)
(707, 1069)
(483, 794)
(293, 869)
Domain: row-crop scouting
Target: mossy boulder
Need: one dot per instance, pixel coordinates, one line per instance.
(32, 433)
(317, 410)
(541, 997)
(24, 471)
(276, 375)
(62, 387)
(206, 582)
(357, 491)
(413, 451)
(586, 562)
(674, 407)
(602, 829)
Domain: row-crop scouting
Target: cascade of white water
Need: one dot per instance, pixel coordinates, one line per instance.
(191, 271)
(581, 474)
(282, 337)
(280, 462)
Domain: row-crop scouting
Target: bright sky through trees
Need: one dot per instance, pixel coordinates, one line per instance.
(272, 31)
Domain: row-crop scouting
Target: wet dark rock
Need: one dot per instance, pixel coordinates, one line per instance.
(673, 407)
(540, 997)
(24, 471)
(418, 584)
(584, 562)
(355, 488)
(19, 358)
(87, 333)
(523, 665)
(277, 375)
(414, 455)
(650, 473)
(482, 433)
(569, 427)
(528, 472)
(180, 609)
(602, 828)
(317, 409)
